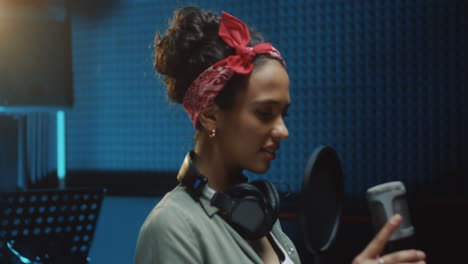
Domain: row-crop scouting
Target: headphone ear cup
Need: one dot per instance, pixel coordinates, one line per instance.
(250, 214)
(243, 190)
(271, 195)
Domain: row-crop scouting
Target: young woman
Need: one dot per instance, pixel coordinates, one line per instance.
(235, 89)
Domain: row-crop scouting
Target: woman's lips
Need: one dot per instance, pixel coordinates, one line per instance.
(269, 153)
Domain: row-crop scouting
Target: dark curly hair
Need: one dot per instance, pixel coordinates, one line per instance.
(191, 44)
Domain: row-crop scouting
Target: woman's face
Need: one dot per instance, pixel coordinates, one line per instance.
(250, 132)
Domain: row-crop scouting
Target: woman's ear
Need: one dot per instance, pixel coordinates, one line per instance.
(209, 117)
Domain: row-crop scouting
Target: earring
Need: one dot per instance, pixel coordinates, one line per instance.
(213, 133)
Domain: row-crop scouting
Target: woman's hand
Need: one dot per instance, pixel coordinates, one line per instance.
(371, 254)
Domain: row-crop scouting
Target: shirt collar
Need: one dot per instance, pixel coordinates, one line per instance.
(205, 203)
(185, 171)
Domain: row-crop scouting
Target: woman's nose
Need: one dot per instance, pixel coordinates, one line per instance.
(280, 131)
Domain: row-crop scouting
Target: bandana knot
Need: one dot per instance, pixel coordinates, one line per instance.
(242, 62)
(246, 53)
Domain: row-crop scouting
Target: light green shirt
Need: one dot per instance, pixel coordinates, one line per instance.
(182, 230)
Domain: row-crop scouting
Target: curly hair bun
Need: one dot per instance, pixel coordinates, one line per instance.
(190, 45)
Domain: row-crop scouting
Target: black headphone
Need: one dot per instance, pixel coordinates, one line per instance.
(250, 208)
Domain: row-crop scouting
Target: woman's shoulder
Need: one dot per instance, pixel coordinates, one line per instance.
(177, 207)
(177, 198)
(168, 232)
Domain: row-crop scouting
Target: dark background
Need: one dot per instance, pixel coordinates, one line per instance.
(35, 54)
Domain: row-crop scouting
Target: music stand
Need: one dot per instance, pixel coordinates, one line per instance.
(49, 225)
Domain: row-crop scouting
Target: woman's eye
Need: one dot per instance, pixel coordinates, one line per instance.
(264, 114)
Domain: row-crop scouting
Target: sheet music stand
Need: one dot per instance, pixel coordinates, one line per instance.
(48, 226)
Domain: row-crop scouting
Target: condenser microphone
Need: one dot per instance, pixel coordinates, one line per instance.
(386, 200)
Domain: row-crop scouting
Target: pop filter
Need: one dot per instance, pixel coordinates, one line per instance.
(321, 200)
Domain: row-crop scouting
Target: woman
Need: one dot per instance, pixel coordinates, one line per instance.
(235, 88)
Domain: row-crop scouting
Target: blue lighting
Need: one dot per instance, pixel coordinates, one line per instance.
(61, 164)
(16, 253)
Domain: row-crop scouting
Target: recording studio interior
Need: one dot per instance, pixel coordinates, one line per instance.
(377, 125)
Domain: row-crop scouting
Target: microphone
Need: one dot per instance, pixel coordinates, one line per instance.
(386, 200)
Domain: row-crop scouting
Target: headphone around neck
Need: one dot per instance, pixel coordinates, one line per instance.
(250, 208)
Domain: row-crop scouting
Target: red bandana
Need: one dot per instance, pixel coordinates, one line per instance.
(207, 85)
